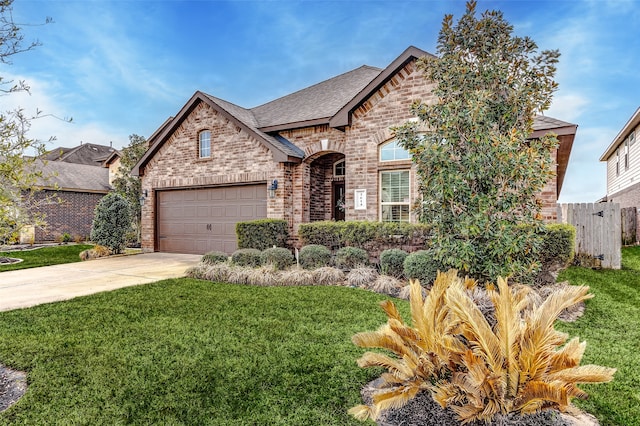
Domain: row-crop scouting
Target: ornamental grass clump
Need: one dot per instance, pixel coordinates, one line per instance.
(328, 276)
(520, 365)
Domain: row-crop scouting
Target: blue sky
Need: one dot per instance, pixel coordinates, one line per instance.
(123, 67)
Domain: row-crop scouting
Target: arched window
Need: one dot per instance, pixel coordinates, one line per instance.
(205, 143)
(338, 168)
(392, 151)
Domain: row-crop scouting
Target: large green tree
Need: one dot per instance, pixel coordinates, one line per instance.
(479, 173)
(130, 186)
(19, 175)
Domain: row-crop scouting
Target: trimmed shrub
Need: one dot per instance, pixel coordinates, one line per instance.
(351, 257)
(422, 266)
(279, 257)
(370, 236)
(392, 262)
(111, 222)
(314, 256)
(246, 257)
(262, 233)
(558, 244)
(214, 257)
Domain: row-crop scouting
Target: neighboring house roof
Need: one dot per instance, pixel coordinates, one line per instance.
(86, 153)
(632, 123)
(65, 176)
(115, 154)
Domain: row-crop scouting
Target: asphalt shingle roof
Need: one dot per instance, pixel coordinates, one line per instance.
(87, 153)
(73, 176)
(542, 122)
(322, 100)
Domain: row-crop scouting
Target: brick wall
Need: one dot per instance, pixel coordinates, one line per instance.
(549, 195)
(371, 122)
(236, 157)
(73, 214)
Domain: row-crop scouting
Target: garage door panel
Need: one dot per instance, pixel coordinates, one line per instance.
(197, 221)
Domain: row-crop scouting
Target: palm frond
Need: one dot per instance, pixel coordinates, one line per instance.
(390, 309)
(384, 338)
(584, 374)
(479, 334)
(395, 398)
(508, 330)
(569, 356)
(538, 392)
(363, 412)
(394, 366)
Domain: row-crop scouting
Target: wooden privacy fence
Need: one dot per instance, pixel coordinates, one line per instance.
(598, 230)
(629, 223)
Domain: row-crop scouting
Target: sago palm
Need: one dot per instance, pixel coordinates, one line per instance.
(519, 364)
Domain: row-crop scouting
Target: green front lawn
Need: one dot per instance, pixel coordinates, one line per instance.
(44, 256)
(611, 327)
(186, 351)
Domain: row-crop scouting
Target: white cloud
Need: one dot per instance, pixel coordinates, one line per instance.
(53, 120)
(568, 107)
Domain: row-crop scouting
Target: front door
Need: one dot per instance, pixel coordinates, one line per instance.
(338, 201)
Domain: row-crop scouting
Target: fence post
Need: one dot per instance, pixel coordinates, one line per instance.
(598, 230)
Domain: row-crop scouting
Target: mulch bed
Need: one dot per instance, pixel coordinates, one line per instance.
(424, 411)
(13, 384)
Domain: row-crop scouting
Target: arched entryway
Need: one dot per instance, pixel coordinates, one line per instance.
(327, 188)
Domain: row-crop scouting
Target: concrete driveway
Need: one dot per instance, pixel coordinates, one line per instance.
(29, 287)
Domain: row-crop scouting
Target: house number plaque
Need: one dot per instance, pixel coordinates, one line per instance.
(360, 199)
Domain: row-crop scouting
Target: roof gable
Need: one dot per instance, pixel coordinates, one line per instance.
(342, 117)
(243, 118)
(622, 135)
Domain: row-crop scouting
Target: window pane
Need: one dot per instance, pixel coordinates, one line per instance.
(392, 151)
(395, 187)
(395, 213)
(205, 144)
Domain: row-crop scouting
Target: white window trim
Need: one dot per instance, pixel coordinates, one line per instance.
(200, 144)
(381, 203)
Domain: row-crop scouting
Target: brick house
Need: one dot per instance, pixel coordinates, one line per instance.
(322, 153)
(623, 166)
(76, 179)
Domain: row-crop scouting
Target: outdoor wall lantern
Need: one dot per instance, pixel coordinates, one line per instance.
(272, 188)
(144, 195)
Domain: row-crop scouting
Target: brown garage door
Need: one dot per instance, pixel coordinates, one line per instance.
(201, 220)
